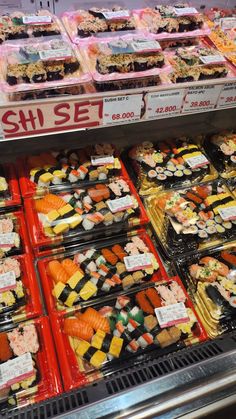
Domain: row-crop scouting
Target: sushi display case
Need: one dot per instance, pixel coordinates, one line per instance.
(14, 239)
(84, 214)
(221, 148)
(193, 219)
(210, 279)
(57, 169)
(97, 340)
(19, 292)
(9, 188)
(29, 371)
(91, 272)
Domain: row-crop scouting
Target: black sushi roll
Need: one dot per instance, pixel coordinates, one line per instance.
(38, 33)
(184, 79)
(54, 75)
(71, 67)
(84, 34)
(39, 78)
(11, 80)
(185, 27)
(21, 35)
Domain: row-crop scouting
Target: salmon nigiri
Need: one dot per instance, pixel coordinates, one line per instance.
(54, 201)
(57, 271)
(70, 267)
(78, 329)
(95, 320)
(42, 206)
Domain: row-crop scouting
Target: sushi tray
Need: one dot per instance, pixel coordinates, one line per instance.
(83, 214)
(221, 148)
(129, 328)
(98, 270)
(193, 219)
(169, 164)
(28, 365)
(19, 293)
(54, 170)
(9, 188)
(14, 238)
(211, 279)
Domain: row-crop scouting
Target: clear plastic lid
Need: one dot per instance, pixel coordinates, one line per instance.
(221, 148)
(13, 234)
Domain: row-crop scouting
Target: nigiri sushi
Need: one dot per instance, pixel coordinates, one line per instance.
(78, 328)
(95, 320)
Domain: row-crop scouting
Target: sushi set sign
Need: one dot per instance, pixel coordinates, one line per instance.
(171, 315)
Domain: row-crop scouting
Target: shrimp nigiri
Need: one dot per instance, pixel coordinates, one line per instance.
(57, 271)
(79, 329)
(95, 320)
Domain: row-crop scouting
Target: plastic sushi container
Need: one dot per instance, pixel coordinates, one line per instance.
(14, 238)
(169, 44)
(193, 219)
(169, 164)
(76, 215)
(125, 63)
(29, 372)
(96, 23)
(222, 41)
(21, 25)
(54, 170)
(19, 293)
(77, 276)
(211, 279)
(172, 22)
(40, 66)
(198, 63)
(221, 148)
(9, 188)
(131, 327)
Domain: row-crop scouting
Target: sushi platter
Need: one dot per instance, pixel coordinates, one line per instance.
(54, 170)
(193, 219)
(84, 214)
(100, 269)
(169, 164)
(221, 148)
(211, 280)
(9, 189)
(28, 365)
(14, 238)
(98, 339)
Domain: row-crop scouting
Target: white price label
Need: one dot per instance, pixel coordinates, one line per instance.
(119, 14)
(17, 369)
(136, 262)
(227, 96)
(228, 23)
(7, 239)
(212, 59)
(121, 109)
(171, 315)
(7, 281)
(228, 213)
(34, 20)
(145, 46)
(102, 160)
(197, 161)
(120, 204)
(202, 98)
(185, 11)
(164, 104)
(54, 54)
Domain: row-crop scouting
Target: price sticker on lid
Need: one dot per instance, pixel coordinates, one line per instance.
(7, 281)
(171, 315)
(55, 54)
(36, 20)
(136, 262)
(145, 45)
(120, 204)
(212, 59)
(228, 213)
(118, 14)
(227, 23)
(7, 239)
(17, 369)
(102, 160)
(185, 11)
(197, 161)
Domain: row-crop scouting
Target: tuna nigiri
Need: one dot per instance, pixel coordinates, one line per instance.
(79, 329)
(144, 303)
(95, 320)
(153, 297)
(57, 271)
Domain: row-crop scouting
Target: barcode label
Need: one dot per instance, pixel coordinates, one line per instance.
(55, 54)
(212, 59)
(197, 161)
(119, 14)
(34, 20)
(102, 160)
(228, 213)
(16, 369)
(7, 281)
(185, 11)
(140, 46)
(228, 23)
(120, 204)
(171, 315)
(7, 239)
(136, 262)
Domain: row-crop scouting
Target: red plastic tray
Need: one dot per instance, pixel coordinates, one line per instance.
(41, 242)
(14, 199)
(48, 283)
(71, 375)
(19, 218)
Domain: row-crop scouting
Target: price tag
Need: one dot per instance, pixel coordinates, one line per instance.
(228, 213)
(120, 204)
(171, 315)
(197, 161)
(121, 109)
(17, 369)
(119, 14)
(54, 54)
(228, 23)
(185, 11)
(136, 262)
(164, 104)
(202, 98)
(212, 59)
(102, 160)
(227, 96)
(34, 20)
(145, 45)
(7, 239)
(7, 281)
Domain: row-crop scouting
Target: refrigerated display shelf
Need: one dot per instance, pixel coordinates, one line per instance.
(167, 384)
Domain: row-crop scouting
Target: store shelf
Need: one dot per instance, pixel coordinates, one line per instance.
(73, 113)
